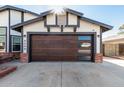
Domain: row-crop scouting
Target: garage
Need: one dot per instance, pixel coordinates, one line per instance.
(61, 47)
(68, 36)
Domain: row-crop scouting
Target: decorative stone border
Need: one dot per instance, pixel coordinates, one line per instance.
(6, 70)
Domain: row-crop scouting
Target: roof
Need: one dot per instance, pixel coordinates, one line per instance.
(17, 9)
(46, 13)
(73, 12)
(108, 27)
(97, 23)
(114, 38)
(65, 9)
(27, 22)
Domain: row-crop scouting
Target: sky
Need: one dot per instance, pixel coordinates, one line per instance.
(108, 14)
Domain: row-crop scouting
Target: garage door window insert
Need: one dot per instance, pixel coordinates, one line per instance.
(2, 39)
(84, 51)
(16, 43)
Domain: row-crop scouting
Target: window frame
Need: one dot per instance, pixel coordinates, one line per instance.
(5, 49)
(12, 39)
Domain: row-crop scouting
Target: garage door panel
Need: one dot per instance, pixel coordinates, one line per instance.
(59, 48)
(53, 37)
(61, 58)
(54, 48)
(55, 52)
(54, 58)
(38, 58)
(54, 44)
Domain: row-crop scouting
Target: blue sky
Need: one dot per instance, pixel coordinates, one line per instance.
(109, 14)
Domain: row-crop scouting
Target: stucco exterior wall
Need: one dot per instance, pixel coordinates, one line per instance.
(4, 18)
(35, 27)
(72, 19)
(15, 18)
(89, 27)
(55, 29)
(68, 29)
(28, 16)
(51, 19)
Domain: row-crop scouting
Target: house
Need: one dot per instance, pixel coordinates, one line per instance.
(114, 46)
(10, 40)
(67, 36)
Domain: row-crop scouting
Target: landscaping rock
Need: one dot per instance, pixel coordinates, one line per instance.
(6, 70)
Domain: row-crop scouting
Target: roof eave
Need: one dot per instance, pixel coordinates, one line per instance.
(108, 27)
(17, 9)
(65, 9)
(46, 13)
(73, 12)
(26, 23)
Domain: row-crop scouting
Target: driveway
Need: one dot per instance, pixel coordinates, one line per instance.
(64, 74)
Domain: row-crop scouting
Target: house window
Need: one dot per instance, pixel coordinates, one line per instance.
(16, 43)
(2, 38)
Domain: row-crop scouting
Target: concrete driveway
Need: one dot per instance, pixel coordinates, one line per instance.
(64, 74)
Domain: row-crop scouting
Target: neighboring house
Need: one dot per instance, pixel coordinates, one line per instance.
(10, 40)
(114, 46)
(68, 36)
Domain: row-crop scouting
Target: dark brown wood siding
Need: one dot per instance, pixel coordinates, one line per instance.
(54, 48)
(61, 47)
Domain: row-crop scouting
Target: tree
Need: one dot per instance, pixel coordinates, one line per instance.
(121, 28)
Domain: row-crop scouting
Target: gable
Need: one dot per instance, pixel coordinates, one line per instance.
(70, 19)
(61, 19)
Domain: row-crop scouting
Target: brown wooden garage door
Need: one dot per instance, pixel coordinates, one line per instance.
(58, 48)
